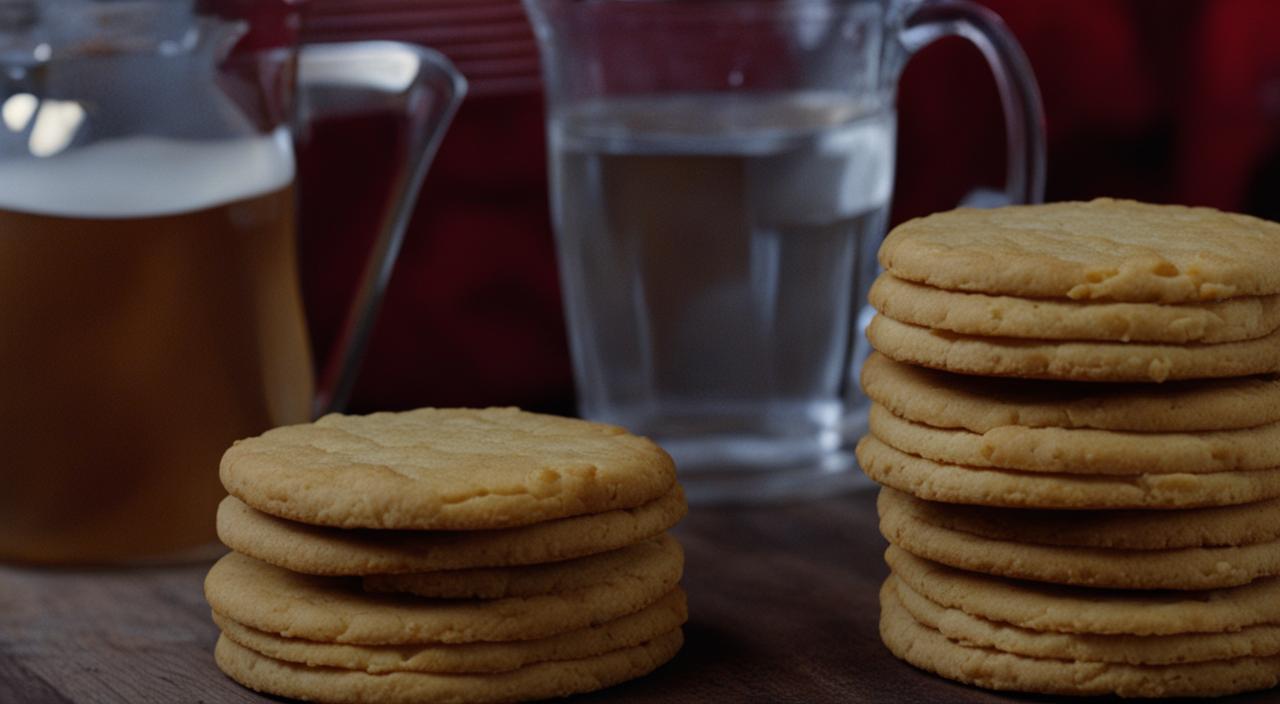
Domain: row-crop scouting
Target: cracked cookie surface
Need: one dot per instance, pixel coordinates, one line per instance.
(444, 469)
(1104, 249)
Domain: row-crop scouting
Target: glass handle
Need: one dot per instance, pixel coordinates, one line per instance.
(362, 77)
(1019, 94)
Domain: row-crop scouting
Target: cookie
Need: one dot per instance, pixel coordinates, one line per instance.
(444, 469)
(337, 610)
(1184, 568)
(650, 556)
(1256, 641)
(1084, 450)
(948, 483)
(1222, 526)
(1061, 609)
(326, 551)
(540, 681)
(979, 404)
(1111, 250)
(664, 616)
(1051, 319)
(1073, 361)
(930, 650)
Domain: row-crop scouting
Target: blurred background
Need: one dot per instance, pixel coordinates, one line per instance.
(1168, 101)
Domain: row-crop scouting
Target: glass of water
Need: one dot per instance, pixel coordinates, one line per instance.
(721, 173)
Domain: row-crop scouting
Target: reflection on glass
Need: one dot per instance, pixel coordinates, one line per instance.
(55, 127)
(18, 110)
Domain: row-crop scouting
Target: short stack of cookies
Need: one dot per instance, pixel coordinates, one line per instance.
(1076, 423)
(446, 555)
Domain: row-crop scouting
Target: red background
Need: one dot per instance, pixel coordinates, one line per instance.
(1162, 100)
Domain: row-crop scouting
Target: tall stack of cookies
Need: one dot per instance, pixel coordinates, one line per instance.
(1076, 424)
(446, 555)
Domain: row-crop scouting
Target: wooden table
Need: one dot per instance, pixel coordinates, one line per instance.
(783, 601)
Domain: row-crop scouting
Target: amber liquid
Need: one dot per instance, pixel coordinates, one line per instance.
(133, 351)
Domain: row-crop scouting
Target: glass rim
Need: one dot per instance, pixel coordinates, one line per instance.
(659, 13)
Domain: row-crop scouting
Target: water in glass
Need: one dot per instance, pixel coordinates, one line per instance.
(715, 251)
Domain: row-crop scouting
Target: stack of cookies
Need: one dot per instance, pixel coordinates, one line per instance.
(446, 555)
(1076, 424)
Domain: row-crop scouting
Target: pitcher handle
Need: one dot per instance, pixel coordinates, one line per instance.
(354, 77)
(1019, 95)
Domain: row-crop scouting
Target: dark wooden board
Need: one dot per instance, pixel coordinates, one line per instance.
(784, 604)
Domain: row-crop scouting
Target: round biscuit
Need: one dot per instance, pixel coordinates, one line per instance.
(663, 616)
(1052, 319)
(444, 469)
(1104, 249)
(329, 551)
(1084, 450)
(1071, 361)
(930, 650)
(336, 610)
(1183, 568)
(1056, 608)
(534, 682)
(1218, 526)
(980, 403)
(1255, 641)
(948, 483)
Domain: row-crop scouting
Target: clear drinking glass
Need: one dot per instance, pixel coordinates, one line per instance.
(151, 310)
(721, 173)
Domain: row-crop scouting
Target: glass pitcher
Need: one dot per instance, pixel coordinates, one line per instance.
(721, 175)
(150, 311)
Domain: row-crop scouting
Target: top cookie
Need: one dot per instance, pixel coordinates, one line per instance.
(444, 469)
(1104, 249)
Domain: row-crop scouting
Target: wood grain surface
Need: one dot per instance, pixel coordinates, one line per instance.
(783, 602)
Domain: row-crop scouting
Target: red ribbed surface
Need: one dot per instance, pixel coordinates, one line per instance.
(490, 41)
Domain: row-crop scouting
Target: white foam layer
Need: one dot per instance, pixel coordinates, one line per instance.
(147, 176)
